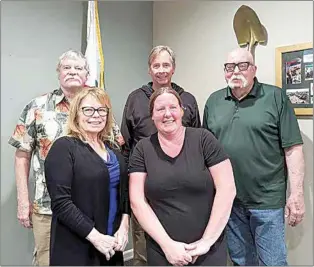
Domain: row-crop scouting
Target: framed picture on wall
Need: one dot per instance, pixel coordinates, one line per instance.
(294, 74)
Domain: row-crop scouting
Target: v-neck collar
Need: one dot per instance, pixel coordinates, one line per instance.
(164, 154)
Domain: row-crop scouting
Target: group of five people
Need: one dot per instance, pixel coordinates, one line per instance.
(193, 191)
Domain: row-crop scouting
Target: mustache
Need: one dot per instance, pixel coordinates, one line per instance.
(238, 77)
(72, 78)
(162, 73)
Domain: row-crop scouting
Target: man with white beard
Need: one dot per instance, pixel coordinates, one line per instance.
(258, 129)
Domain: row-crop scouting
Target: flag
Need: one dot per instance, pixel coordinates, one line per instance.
(95, 59)
(94, 53)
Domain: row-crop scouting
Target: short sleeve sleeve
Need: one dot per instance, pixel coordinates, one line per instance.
(288, 125)
(137, 161)
(212, 150)
(24, 135)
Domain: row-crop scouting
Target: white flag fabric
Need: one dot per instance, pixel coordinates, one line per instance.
(94, 53)
(95, 58)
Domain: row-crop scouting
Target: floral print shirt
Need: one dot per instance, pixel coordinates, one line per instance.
(41, 122)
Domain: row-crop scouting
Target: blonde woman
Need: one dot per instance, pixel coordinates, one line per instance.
(88, 184)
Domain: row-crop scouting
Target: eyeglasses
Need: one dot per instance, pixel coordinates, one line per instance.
(90, 111)
(242, 66)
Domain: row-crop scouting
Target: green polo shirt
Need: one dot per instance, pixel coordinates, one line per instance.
(254, 132)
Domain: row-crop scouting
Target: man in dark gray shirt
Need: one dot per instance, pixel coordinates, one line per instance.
(137, 122)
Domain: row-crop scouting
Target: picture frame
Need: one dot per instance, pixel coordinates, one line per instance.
(294, 74)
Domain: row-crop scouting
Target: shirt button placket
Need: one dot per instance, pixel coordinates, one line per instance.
(236, 107)
(236, 110)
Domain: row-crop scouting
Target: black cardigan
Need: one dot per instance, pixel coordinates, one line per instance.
(78, 183)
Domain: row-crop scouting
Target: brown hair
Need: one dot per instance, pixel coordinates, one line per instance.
(74, 129)
(160, 91)
(157, 50)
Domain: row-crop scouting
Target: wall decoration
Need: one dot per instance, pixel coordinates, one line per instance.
(294, 74)
(248, 29)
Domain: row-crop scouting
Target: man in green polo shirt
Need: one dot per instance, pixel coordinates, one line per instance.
(256, 125)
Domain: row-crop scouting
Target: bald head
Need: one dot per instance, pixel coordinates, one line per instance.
(240, 70)
(240, 55)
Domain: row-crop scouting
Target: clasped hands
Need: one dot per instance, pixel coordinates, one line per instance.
(179, 254)
(107, 244)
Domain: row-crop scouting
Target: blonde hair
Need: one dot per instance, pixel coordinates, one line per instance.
(75, 130)
(157, 50)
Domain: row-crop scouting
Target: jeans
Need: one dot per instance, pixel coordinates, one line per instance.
(257, 237)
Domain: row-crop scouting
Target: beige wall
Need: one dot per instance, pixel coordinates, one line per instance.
(201, 33)
(33, 35)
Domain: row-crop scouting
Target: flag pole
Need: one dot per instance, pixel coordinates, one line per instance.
(99, 43)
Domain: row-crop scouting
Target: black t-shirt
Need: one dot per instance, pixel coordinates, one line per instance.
(180, 190)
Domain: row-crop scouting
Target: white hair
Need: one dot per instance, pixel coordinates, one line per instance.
(240, 77)
(72, 54)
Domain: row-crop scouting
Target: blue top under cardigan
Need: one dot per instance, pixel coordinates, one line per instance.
(114, 173)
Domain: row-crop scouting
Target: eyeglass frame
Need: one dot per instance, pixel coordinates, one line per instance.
(94, 110)
(237, 65)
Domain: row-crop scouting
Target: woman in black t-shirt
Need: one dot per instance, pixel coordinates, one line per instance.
(181, 188)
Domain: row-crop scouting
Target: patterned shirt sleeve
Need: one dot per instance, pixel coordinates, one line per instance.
(24, 135)
(117, 133)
